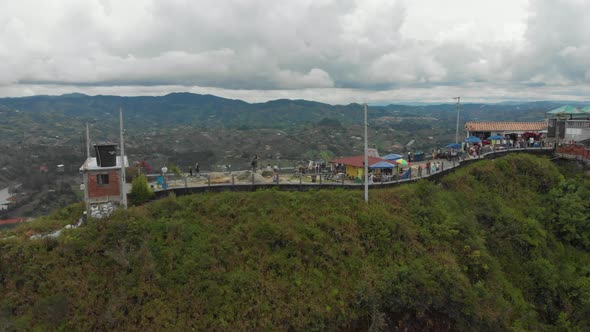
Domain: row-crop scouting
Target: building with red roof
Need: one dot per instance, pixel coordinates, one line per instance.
(483, 129)
(354, 166)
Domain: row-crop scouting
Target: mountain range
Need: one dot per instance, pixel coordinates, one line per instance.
(208, 111)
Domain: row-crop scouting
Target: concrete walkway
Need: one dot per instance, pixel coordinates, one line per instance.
(293, 182)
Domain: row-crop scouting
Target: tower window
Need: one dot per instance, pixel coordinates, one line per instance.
(102, 179)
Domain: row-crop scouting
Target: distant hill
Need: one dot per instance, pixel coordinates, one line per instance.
(207, 111)
(174, 109)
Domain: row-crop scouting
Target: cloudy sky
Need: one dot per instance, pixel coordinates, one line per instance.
(335, 51)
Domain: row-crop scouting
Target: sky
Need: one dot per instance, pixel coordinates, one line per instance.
(334, 51)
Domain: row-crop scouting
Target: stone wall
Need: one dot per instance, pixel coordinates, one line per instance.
(103, 209)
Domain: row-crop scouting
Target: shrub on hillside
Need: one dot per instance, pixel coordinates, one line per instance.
(140, 190)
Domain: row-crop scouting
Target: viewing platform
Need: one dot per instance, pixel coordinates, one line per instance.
(248, 181)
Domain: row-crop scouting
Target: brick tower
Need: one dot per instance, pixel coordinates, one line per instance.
(102, 181)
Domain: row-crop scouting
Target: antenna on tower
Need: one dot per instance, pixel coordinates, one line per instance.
(87, 141)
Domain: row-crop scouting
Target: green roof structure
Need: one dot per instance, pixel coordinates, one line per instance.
(567, 109)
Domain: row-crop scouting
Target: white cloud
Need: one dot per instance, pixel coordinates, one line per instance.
(302, 49)
(316, 78)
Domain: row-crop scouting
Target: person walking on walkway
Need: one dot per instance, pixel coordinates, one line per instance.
(254, 163)
(197, 169)
(190, 171)
(165, 175)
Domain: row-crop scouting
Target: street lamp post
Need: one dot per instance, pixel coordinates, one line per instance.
(458, 110)
(366, 163)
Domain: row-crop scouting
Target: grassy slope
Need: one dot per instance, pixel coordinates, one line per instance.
(480, 251)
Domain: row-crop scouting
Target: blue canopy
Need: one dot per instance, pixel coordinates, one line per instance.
(495, 137)
(454, 146)
(392, 156)
(473, 140)
(382, 164)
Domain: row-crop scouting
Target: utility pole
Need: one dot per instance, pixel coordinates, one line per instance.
(122, 142)
(458, 109)
(85, 174)
(87, 141)
(366, 160)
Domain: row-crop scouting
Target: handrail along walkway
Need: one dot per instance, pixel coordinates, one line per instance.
(184, 188)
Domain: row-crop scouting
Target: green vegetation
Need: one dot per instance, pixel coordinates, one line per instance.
(140, 190)
(172, 168)
(498, 245)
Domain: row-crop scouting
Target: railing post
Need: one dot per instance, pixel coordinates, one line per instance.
(252, 178)
(442, 166)
(343, 176)
(209, 180)
(320, 176)
(185, 182)
(233, 180)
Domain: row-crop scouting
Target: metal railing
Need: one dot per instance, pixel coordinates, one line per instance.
(248, 179)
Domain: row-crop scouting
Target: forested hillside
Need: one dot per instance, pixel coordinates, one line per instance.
(208, 111)
(498, 245)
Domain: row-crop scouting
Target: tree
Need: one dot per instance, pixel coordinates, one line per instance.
(140, 190)
(174, 169)
(327, 156)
